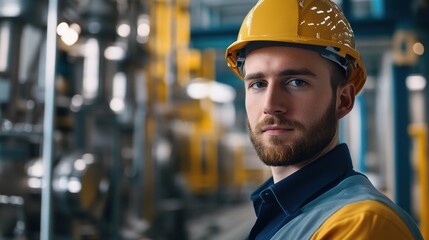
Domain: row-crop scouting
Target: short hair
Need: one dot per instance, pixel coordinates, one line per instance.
(338, 75)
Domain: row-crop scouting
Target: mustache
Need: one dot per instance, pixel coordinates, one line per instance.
(280, 121)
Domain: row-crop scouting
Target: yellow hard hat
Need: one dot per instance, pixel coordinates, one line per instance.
(317, 24)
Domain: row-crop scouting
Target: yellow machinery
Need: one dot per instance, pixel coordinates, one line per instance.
(419, 133)
(172, 66)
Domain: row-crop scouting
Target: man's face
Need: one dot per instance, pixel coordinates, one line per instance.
(290, 105)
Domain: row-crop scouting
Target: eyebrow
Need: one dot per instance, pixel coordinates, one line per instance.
(284, 73)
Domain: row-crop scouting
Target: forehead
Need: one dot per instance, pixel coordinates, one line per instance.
(284, 58)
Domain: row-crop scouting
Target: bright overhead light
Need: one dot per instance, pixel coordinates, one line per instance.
(74, 185)
(80, 164)
(198, 90)
(221, 93)
(143, 28)
(70, 37)
(69, 34)
(91, 69)
(62, 28)
(35, 169)
(10, 9)
(114, 53)
(75, 27)
(418, 48)
(123, 30)
(117, 104)
(416, 82)
(215, 91)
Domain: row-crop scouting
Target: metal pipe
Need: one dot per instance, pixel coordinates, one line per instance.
(4, 46)
(363, 137)
(48, 122)
(138, 160)
(10, 48)
(401, 149)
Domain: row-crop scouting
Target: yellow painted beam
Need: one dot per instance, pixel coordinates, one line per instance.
(419, 132)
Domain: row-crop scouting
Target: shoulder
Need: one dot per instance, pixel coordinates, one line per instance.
(368, 219)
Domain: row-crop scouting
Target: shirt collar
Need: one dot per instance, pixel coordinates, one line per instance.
(302, 186)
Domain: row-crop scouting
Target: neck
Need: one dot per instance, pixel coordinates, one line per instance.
(281, 172)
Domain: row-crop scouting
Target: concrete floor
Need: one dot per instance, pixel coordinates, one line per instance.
(232, 223)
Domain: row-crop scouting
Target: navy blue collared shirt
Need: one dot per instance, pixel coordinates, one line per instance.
(276, 204)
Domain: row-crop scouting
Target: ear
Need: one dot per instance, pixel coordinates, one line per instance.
(345, 99)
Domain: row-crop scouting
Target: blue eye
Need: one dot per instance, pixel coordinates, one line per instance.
(257, 85)
(297, 83)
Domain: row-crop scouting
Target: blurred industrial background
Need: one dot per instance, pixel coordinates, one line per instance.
(119, 119)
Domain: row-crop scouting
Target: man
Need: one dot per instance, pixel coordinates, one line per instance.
(301, 73)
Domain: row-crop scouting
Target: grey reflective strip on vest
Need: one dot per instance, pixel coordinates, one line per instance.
(353, 189)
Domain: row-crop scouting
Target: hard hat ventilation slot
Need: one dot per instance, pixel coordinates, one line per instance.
(332, 54)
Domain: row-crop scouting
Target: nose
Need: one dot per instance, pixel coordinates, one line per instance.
(275, 101)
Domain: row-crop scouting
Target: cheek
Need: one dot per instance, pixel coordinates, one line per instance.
(253, 110)
(312, 108)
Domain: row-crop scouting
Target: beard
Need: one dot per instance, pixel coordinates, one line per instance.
(310, 142)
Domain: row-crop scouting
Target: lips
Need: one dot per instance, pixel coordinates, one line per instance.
(277, 126)
(276, 129)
